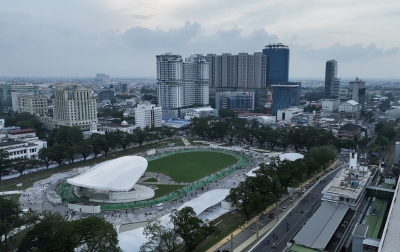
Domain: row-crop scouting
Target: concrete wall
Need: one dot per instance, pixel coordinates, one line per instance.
(80, 208)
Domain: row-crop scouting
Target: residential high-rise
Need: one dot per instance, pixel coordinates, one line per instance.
(277, 63)
(237, 71)
(285, 95)
(5, 98)
(332, 83)
(182, 83)
(357, 91)
(169, 81)
(73, 105)
(148, 115)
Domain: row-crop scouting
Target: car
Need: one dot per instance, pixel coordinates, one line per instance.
(271, 215)
(308, 184)
(284, 207)
(273, 245)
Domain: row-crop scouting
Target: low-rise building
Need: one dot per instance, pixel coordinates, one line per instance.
(288, 113)
(349, 132)
(93, 130)
(330, 105)
(200, 112)
(14, 134)
(350, 109)
(263, 119)
(111, 127)
(24, 147)
(35, 105)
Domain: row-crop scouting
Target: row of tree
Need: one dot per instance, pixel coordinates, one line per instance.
(52, 232)
(255, 194)
(184, 230)
(243, 131)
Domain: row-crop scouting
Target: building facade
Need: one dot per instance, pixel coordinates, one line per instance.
(182, 83)
(102, 78)
(357, 91)
(148, 115)
(27, 89)
(236, 100)
(5, 98)
(35, 105)
(285, 95)
(278, 56)
(73, 105)
(330, 105)
(332, 83)
(200, 112)
(106, 95)
(237, 71)
(288, 113)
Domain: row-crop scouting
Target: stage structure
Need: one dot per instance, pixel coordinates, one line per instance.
(113, 181)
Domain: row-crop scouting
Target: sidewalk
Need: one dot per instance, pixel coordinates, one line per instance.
(267, 227)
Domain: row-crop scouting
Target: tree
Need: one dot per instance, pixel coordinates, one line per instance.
(226, 113)
(71, 153)
(12, 217)
(382, 141)
(54, 233)
(123, 138)
(22, 164)
(191, 229)
(84, 148)
(96, 141)
(322, 154)
(139, 135)
(58, 153)
(161, 238)
(68, 135)
(4, 161)
(45, 156)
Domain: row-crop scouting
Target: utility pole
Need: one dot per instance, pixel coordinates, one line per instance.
(231, 242)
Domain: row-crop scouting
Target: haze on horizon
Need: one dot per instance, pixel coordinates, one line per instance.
(121, 38)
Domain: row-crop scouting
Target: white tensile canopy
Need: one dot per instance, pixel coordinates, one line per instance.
(119, 174)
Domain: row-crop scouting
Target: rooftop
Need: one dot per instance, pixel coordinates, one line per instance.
(21, 131)
(350, 127)
(349, 182)
(352, 102)
(120, 174)
(4, 144)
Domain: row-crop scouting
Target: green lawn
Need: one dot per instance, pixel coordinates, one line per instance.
(191, 166)
(165, 190)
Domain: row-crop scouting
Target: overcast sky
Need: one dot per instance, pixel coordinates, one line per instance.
(41, 38)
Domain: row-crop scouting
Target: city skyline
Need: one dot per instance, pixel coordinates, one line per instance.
(81, 38)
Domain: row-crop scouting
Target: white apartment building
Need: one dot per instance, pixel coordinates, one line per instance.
(73, 105)
(200, 112)
(288, 113)
(181, 84)
(330, 105)
(148, 115)
(35, 105)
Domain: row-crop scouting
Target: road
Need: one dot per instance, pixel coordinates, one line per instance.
(295, 221)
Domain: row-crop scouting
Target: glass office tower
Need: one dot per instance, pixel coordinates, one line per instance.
(277, 63)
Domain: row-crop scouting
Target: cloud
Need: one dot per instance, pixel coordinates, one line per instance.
(142, 16)
(355, 52)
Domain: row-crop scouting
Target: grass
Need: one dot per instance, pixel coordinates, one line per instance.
(191, 166)
(14, 242)
(151, 180)
(165, 190)
(227, 223)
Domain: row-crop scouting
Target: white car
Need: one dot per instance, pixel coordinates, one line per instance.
(284, 207)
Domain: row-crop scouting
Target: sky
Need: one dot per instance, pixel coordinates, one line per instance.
(121, 37)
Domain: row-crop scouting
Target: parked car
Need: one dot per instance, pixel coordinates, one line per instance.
(271, 215)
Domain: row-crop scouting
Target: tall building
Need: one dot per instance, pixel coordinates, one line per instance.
(148, 115)
(5, 98)
(277, 63)
(332, 83)
(73, 105)
(237, 71)
(181, 84)
(36, 105)
(102, 78)
(285, 95)
(236, 100)
(29, 89)
(357, 91)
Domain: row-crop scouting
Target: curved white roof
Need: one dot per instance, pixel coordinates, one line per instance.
(119, 174)
(292, 156)
(133, 239)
